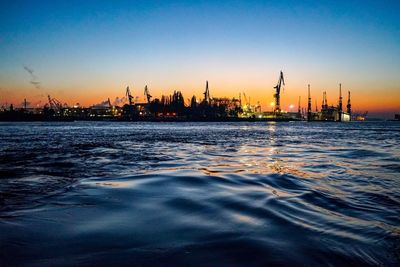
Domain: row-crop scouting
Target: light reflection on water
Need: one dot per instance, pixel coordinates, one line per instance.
(97, 193)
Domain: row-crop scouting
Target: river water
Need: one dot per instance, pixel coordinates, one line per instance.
(199, 194)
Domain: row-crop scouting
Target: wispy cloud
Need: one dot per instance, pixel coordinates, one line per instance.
(34, 80)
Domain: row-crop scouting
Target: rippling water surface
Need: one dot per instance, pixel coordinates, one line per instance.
(202, 194)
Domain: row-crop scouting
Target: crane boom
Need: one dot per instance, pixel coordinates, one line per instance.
(206, 93)
(245, 99)
(147, 94)
(309, 105)
(277, 94)
(129, 95)
(54, 103)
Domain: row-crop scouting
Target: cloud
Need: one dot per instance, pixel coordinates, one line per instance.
(29, 70)
(34, 80)
(36, 84)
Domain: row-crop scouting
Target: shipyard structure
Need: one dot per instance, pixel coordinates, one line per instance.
(174, 108)
(329, 112)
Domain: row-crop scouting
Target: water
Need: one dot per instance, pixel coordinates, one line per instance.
(199, 194)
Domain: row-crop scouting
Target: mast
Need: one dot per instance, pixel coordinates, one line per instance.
(130, 97)
(299, 106)
(309, 105)
(340, 107)
(147, 94)
(349, 105)
(207, 94)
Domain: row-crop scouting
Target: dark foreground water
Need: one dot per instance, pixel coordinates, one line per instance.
(199, 194)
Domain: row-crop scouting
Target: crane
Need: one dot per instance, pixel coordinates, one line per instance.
(309, 105)
(340, 106)
(324, 101)
(348, 104)
(147, 94)
(54, 104)
(299, 105)
(129, 95)
(207, 98)
(277, 94)
(245, 99)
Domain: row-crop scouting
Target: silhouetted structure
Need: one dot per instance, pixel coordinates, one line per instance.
(174, 107)
(277, 94)
(329, 113)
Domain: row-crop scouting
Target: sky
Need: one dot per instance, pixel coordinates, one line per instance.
(87, 51)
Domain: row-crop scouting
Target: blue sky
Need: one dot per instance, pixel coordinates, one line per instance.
(88, 49)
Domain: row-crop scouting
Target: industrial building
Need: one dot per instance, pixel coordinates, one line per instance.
(174, 107)
(329, 112)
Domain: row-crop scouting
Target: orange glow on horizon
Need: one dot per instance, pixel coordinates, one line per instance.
(361, 99)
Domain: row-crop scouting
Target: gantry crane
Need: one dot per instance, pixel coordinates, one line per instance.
(147, 94)
(207, 98)
(277, 94)
(54, 104)
(348, 104)
(309, 105)
(129, 95)
(247, 103)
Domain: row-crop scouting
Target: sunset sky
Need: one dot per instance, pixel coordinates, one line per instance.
(86, 51)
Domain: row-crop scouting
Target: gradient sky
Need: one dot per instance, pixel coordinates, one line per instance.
(85, 51)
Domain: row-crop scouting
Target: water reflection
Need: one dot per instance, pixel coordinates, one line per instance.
(208, 194)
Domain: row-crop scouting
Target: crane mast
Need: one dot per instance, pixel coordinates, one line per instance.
(207, 94)
(340, 98)
(309, 105)
(348, 104)
(299, 106)
(147, 94)
(129, 95)
(277, 94)
(246, 102)
(340, 107)
(54, 104)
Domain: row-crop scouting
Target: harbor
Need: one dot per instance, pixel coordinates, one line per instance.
(174, 108)
(199, 133)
